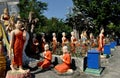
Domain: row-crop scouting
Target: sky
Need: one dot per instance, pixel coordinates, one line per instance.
(57, 8)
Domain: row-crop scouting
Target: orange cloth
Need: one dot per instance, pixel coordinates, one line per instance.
(18, 49)
(54, 45)
(62, 68)
(35, 45)
(72, 45)
(47, 61)
(42, 45)
(64, 42)
(100, 48)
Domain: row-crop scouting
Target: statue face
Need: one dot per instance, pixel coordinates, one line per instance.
(102, 30)
(65, 49)
(46, 47)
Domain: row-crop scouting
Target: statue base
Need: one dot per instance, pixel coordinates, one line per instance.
(2, 66)
(96, 72)
(18, 74)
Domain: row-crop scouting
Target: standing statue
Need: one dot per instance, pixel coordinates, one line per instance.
(101, 41)
(64, 39)
(73, 42)
(17, 40)
(54, 42)
(5, 17)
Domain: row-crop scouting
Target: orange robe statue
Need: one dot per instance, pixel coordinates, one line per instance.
(101, 44)
(101, 41)
(54, 42)
(18, 48)
(62, 68)
(47, 60)
(72, 44)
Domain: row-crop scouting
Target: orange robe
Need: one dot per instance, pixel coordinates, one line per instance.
(42, 45)
(54, 45)
(18, 49)
(73, 45)
(47, 61)
(62, 68)
(100, 48)
(64, 42)
(34, 46)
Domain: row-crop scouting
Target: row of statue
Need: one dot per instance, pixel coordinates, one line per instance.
(19, 35)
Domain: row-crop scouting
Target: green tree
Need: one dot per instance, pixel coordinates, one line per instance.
(36, 6)
(103, 12)
(54, 25)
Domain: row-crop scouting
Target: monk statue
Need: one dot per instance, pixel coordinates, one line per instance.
(54, 42)
(73, 42)
(101, 41)
(47, 54)
(5, 17)
(64, 67)
(17, 40)
(64, 39)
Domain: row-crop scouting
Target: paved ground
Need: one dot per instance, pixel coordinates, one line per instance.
(112, 69)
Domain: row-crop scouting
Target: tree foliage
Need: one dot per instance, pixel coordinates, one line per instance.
(103, 12)
(36, 6)
(54, 25)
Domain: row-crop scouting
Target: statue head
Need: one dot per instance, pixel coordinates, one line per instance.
(53, 34)
(63, 33)
(65, 49)
(46, 47)
(5, 11)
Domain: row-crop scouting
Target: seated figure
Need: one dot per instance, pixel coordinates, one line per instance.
(47, 58)
(66, 58)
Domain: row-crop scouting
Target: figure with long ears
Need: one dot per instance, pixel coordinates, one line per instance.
(47, 54)
(73, 42)
(17, 40)
(64, 39)
(66, 61)
(5, 17)
(101, 41)
(54, 42)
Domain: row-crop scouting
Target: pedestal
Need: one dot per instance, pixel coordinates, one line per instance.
(93, 60)
(2, 66)
(93, 63)
(112, 45)
(96, 72)
(17, 74)
(107, 50)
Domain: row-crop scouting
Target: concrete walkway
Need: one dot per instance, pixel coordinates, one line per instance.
(112, 69)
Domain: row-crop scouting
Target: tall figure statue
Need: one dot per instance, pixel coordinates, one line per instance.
(54, 42)
(11, 26)
(43, 42)
(65, 65)
(64, 39)
(73, 42)
(16, 47)
(84, 36)
(5, 17)
(101, 41)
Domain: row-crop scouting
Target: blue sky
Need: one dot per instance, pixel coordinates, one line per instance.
(57, 8)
